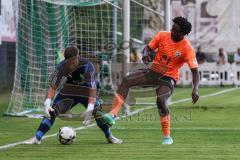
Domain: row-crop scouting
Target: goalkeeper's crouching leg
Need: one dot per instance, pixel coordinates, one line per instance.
(45, 125)
(104, 121)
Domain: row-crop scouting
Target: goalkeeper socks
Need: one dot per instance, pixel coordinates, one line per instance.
(44, 126)
(165, 122)
(117, 104)
(104, 128)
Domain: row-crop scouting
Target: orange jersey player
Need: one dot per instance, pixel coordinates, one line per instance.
(170, 55)
(172, 51)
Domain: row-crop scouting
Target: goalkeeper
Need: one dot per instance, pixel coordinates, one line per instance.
(78, 82)
(173, 50)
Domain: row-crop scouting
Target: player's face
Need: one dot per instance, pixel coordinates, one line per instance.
(73, 62)
(176, 33)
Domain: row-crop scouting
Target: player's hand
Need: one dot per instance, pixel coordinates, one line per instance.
(195, 96)
(147, 55)
(87, 115)
(146, 59)
(48, 108)
(87, 118)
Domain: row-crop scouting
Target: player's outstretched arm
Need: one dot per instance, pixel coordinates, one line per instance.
(48, 101)
(91, 103)
(195, 85)
(91, 82)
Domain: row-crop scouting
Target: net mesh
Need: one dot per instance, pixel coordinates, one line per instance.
(44, 28)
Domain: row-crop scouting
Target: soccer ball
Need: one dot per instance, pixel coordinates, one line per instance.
(66, 135)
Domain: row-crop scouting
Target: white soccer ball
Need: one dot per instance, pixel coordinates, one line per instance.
(66, 135)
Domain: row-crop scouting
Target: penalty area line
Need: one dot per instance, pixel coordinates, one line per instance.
(11, 145)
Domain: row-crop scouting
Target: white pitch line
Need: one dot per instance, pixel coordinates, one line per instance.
(187, 129)
(182, 100)
(132, 113)
(45, 137)
(10, 145)
(204, 96)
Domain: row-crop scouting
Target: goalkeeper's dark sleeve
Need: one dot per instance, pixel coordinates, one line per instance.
(55, 79)
(90, 80)
(58, 77)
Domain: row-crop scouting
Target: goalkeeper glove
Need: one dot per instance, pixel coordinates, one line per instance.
(48, 107)
(88, 114)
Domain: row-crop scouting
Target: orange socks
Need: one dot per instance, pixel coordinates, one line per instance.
(165, 122)
(117, 104)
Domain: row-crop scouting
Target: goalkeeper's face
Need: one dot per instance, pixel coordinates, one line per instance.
(73, 62)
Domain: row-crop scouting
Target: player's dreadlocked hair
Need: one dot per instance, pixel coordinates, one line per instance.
(184, 24)
(70, 52)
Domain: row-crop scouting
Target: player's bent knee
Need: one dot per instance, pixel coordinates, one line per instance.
(62, 106)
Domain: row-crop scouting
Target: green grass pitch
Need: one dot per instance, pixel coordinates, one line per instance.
(208, 130)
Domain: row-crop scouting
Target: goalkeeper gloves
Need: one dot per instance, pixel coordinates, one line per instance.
(48, 108)
(88, 114)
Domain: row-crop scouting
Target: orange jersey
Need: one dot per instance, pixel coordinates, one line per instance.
(170, 55)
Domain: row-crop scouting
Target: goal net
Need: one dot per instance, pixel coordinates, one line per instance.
(45, 27)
